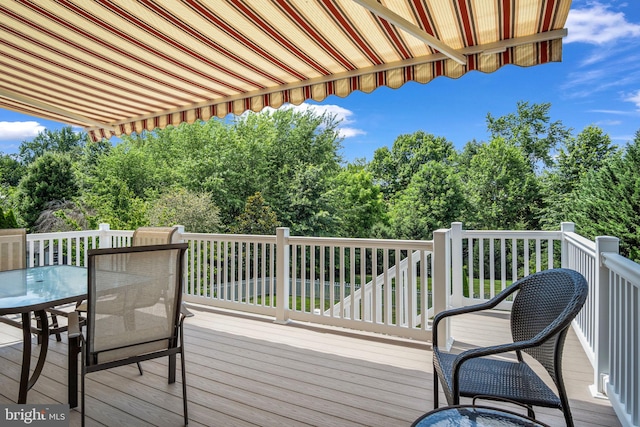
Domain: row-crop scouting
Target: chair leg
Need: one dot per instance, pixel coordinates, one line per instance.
(172, 369)
(184, 386)
(530, 412)
(564, 400)
(140, 368)
(435, 390)
(82, 386)
(54, 324)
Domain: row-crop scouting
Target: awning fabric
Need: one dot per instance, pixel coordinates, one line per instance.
(120, 66)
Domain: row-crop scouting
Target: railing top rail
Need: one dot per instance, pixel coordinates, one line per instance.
(511, 234)
(61, 235)
(622, 266)
(425, 245)
(582, 242)
(230, 237)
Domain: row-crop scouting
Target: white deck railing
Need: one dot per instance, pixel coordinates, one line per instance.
(619, 360)
(395, 287)
(487, 262)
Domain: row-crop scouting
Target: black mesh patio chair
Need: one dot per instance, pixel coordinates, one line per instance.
(135, 332)
(542, 311)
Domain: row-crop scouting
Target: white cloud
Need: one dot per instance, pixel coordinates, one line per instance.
(635, 98)
(598, 25)
(350, 132)
(20, 130)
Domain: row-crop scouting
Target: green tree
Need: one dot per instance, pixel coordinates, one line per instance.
(531, 130)
(311, 212)
(111, 201)
(50, 177)
(64, 141)
(194, 210)
(501, 188)
(359, 202)
(607, 201)
(92, 152)
(11, 170)
(10, 220)
(393, 169)
(257, 218)
(433, 199)
(581, 155)
(299, 146)
(257, 153)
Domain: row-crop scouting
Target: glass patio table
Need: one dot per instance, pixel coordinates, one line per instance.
(474, 416)
(34, 290)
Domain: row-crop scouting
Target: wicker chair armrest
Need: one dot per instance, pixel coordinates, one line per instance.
(73, 328)
(470, 309)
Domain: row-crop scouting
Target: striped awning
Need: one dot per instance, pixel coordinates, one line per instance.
(120, 66)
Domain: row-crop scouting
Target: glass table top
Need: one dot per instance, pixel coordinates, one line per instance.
(474, 416)
(40, 287)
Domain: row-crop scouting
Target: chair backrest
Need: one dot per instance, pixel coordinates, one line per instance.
(13, 249)
(544, 307)
(144, 236)
(117, 326)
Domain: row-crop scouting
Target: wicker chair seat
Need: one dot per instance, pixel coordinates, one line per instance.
(499, 378)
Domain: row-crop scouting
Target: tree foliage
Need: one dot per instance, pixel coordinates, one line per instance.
(284, 167)
(607, 201)
(257, 218)
(49, 178)
(531, 130)
(433, 199)
(359, 203)
(194, 210)
(64, 141)
(395, 168)
(11, 170)
(502, 190)
(586, 153)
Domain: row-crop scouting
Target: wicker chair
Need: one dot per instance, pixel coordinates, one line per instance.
(542, 311)
(157, 330)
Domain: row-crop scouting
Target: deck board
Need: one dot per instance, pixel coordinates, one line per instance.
(247, 370)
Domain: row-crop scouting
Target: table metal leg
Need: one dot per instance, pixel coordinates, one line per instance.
(27, 383)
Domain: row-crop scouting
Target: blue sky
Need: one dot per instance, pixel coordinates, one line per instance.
(597, 83)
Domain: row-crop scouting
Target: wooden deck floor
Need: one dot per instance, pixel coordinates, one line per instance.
(248, 371)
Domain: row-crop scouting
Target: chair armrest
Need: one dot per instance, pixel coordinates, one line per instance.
(470, 309)
(184, 311)
(73, 327)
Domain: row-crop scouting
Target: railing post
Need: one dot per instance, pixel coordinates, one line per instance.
(105, 240)
(601, 321)
(440, 286)
(456, 264)
(282, 275)
(565, 227)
